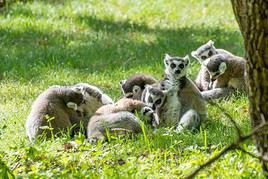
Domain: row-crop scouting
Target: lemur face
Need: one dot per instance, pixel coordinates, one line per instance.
(216, 66)
(154, 97)
(204, 51)
(134, 91)
(176, 66)
(134, 85)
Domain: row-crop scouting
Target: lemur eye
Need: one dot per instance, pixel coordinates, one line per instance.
(172, 65)
(210, 53)
(216, 74)
(181, 66)
(177, 72)
(203, 57)
(166, 62)
(157, 102)
(129, 95)
(187, 62)
(150, 99)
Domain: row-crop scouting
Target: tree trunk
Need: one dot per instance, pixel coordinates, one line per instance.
(2, 3)
(252, 18)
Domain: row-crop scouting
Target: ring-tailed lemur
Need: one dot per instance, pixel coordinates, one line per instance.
(116, 117)
(165, 103)
(207, 50)
(63, 107)
(134, 85)
(221, 72)
(177, 100)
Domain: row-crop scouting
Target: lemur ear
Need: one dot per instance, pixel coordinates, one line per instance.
(205, 63)
(210, 42)
(222, 67)
(72, 105)
(167, 57)
(186, 57)
(187, 60)
(122, 82)
(147, 87)
(55, 86)
(136, 89)
(165, 92)
(77, 89)
(194, 54)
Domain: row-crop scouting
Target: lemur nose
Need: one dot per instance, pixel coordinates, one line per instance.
(212, 79)
(153, 107)
(177, 72)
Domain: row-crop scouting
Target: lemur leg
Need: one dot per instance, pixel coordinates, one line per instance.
(190, 120)
(217, 93)
(204, 80)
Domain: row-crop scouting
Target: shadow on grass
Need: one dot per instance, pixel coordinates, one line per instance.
(103, 46)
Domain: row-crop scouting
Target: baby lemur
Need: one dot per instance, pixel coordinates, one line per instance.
(220, 72)
(62, 108)
(176, 99)
(116, 117)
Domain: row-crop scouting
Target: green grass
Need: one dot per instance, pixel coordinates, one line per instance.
(44, 43)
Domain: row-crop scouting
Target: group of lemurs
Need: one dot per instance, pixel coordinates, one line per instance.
(175, 101)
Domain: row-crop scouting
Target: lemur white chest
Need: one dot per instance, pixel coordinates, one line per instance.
(171, 110)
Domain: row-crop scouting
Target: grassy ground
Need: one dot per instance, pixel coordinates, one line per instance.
(101, 42)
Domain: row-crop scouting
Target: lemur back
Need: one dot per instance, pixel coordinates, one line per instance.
(65, 107)
(51, 109)
(134, 85)
(116, 117)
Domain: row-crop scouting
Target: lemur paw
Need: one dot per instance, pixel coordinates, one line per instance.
(147, 111)
(150, 113)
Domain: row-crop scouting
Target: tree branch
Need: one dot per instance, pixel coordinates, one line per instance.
(239, 133)
(212, 160)
(235, 145)
(251, 154)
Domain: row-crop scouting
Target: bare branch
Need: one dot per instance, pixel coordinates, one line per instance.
(252, 155)
(212, 160)
(235, 145)
(228, 116)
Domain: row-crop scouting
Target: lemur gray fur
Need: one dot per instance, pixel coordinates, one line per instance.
(134, 85)
(65, 107)
(221, 72)
(116, 117)
(176, 99)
